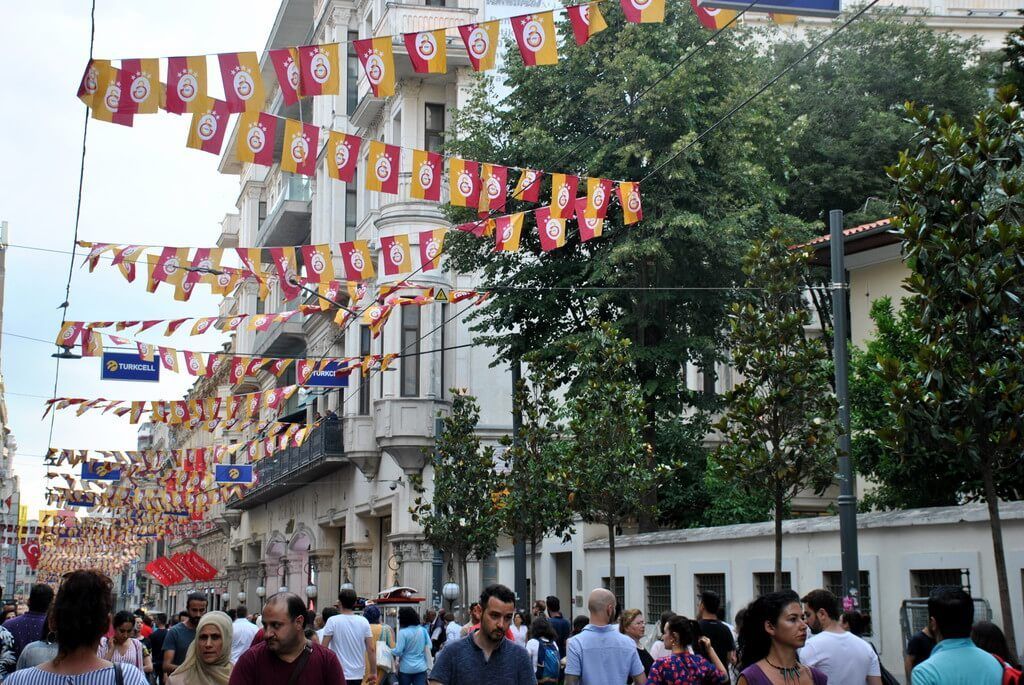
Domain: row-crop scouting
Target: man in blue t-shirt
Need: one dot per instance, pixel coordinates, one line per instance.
(601, 655)
(181, 635)
(955, 660)
(558, 622)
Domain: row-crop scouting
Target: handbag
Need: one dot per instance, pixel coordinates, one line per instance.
(385, 659)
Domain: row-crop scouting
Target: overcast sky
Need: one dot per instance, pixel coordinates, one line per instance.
(142, 185)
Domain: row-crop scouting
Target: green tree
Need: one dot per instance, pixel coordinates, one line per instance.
(461, 518)
(960, 400)
(1013, 58)
(844, 107)
(606, 455)
(698, 213)
(900, 483)
(535, 500)
(779, 424)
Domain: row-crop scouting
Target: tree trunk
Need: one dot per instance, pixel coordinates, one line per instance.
(648, 519)
(533, 573)
(464, 583)
(996, 526)
(779, 504)
(611, 558)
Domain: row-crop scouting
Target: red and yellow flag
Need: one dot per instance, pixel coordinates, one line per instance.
(644, 11)
(375, 317)
(318, 69)
(463, 182)
(342, 155)
(256, 134)
(243, 84)
(632, 207)
(481, 43)
(427, 168)
(493, 188)
(319, 265)
(551, 229)
(301, 143)
(507, 230)
(431, 246)
(711, 17)
(286, 67)
(528, 186)
(209, 126)
(355, 255)
(107, 101)
(395, 254)
(186, 84)
(378, 62)
(428, 51)
(535, 34)
(383, 163)
(590, 227)
(599, 192)
(586, 21)
(92, 80)
(563, 195)
(139, 80)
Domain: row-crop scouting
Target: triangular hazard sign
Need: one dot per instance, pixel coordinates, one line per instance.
(441, 296)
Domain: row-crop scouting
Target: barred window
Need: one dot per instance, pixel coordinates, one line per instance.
(765, 583)
(619, 590)
(713, 582)
(659, 596)
(833, 582)
(923, 581)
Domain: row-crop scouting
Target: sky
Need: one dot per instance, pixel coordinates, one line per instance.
(142, 185)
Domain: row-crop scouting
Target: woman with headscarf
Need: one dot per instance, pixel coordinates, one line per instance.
(380, 632)
(208, 661)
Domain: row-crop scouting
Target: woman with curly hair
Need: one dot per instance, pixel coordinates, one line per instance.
(772, 632)
(79, 617)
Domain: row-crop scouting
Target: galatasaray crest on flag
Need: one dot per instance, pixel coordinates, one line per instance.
(383, 161)
(243, 84)
(342, 155)
(107, 101)
(528, 186)
(551, 229)
(378, 62)
(431, 245)
(563, 195)
(599, 192)
(463, 182)
(186, 84)
(586, 21)
(644, 11)
(301, 143)
(209, 126)
(632, 207)
(590, 227)
(286, 66)
(426, 175)
(355, 255)
(139, 83)
(535, 34)
(318, 69)
(493, 188)
(507, 230)
(256, 133)
(428, 51)
(481, 43)
(395, 254)
(319, 265)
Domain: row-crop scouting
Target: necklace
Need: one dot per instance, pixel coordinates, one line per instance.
(788, 672)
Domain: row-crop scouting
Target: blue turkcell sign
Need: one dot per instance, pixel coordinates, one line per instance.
(118, 366)
(327, 377)
(803, 8)
(233, 473)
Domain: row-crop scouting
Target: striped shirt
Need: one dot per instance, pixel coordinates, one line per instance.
(103, 676)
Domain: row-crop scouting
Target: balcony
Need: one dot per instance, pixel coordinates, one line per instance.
(403, 209)
(229, 229)
(405, 429)
(288, 211)
(404, 17)
(321, 454)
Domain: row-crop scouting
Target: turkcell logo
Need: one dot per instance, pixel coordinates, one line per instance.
(327, 377)
(119, 366)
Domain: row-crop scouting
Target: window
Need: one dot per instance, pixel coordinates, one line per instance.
(351, 217)
(435, 3)
(659, 596)
(352, 74)
(619, 590)
(433, 127)
(833, 582)
(410, 363)
(923, 581)
(765, 583)
(364, 381)
(709, 582)
(443, 353)
(262, 212)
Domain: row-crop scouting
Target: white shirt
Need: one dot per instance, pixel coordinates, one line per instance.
(845, 658)
(348, 634)
(453, 631)
(520, 634)
(658, 651)
(242, 633)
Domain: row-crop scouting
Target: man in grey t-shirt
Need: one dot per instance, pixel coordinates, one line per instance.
(486, 656)
(182, 634)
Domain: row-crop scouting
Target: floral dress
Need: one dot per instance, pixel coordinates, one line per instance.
(685, 669)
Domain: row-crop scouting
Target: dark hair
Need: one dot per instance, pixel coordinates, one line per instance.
(81, 611)
(542, 628)
(475, 604)
(525, 616)
(989, 636)
(686, 630)
(372, 614)
(182, 614)
(40, 597)
(407, 616)
(579, 623)
(328, 612)
(711, 601)
(196, 597)
(856, 622)
(348, 598)
(241, 611)
(161, 618)
(307, 624)
(232, 614)
(823, 599)
(553, 603)
(952, 610)
(754, 641)
(664, 619)
(123, 617)
(296, 607)
(499, 592)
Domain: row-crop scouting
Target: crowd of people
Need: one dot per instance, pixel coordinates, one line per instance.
(74, 637)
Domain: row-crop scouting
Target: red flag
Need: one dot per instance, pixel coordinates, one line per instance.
(563, 195)
(31, 550)
(138, 81)
(481, 43)
(493, 188)
(528, 186)
(590, 227)
(186, 84)
(395, 254)
(586, 21)
(427, 168)
(287, 271)
(383, 161)
(599, 192)
(318, 69)
(551, 229)
(256, 134)
(301, 145)
(243, 84)
(209, 126)
(286, 66)
(343, 148)
(431, 245)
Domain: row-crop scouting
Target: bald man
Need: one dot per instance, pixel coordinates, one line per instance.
(601, 655)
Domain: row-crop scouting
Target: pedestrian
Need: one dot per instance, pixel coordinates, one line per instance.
(540, 608)
(242, 632)
(842, 656)
(715, 629)
(919, 648)
(122, 648)
(181, 635)
(681, 667)
(156, 645)
(285, 656)
(8, 661)
(486, 655)
(438, 632)
(989, 636)
(855, 622)
(452, 629)
(208, 659)
(31, 626)
(543, 650)
(80, 616)
(658, 649)
(600, 654)
(380, 633)
(578, 624)
(146, 629)
(558, 622)
(41, 650)
(955, 660)
(411, 649)
(325, 614)
(350, 638)
(773, 630)
(474, 619)
(520, 628)
(632, 625)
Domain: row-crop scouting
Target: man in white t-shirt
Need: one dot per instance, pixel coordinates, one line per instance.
(242, 632)
(845, 658)
(349, 636)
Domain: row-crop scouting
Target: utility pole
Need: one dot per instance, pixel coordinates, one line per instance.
(847, 480)
(519, 548)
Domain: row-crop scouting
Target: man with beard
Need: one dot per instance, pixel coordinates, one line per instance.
(486, 655)
(285, 656)
(845, 658)
(183, 633)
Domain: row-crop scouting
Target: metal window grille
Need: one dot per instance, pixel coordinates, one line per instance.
(923, 581)
(659, 596)
(619, 590)
(713, 582)
(765, 582)
(833, 582)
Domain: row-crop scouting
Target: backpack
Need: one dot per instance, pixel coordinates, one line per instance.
(1011, 675)
(548, 661)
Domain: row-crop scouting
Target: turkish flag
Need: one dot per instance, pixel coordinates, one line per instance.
(31, 550)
